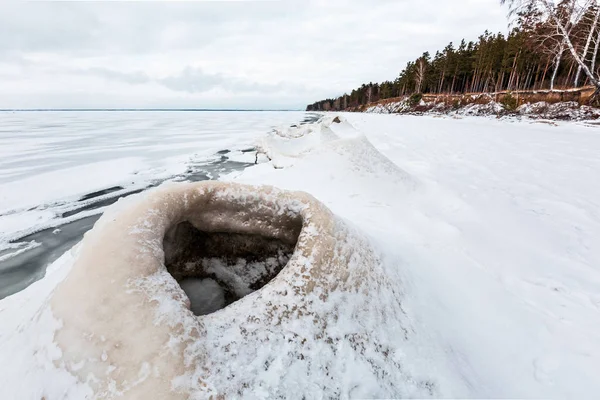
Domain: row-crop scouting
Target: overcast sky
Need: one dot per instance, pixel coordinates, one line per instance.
(219, 54)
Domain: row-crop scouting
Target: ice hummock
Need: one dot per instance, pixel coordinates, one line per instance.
(310, 309)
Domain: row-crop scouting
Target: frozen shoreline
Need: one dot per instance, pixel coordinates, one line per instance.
(43, 214)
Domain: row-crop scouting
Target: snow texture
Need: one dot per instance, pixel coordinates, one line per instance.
(329, 324)
(489, 227)
(444, 257)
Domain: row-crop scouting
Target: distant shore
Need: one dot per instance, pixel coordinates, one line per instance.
(542, 104)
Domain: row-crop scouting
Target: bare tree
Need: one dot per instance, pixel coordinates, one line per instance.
(561, 18)
(595, 54)
(558, 51)
(591, 30)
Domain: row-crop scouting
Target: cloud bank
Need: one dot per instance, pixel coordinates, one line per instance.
(231, 54)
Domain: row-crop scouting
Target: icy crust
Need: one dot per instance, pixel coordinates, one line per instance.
(328, 325)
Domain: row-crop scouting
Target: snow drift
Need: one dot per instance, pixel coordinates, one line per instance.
(485, 227)
(290, 294)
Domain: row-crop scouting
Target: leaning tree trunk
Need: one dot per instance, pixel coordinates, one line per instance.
(595, 51)
(587, 46)
(578, 60)
(556, 65)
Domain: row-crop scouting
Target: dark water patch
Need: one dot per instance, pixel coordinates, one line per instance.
(217, 169)
(213, 170)
(250, 150)
(196, 176)
(310, 118)
(223, 151)
(101, 193)
(101, 203)
(22, 270)
(6, 252)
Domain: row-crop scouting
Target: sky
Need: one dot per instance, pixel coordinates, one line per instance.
(280, 54)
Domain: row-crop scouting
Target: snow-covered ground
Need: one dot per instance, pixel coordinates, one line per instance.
(492, 229)
(489, 228)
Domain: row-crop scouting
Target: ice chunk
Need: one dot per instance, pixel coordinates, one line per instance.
(206, 295)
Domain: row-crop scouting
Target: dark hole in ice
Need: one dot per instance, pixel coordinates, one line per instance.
(217, 268)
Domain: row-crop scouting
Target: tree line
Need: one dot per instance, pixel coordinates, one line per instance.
(551, 45)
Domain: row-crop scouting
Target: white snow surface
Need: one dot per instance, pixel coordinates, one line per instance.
(488, 228)
(491, 229)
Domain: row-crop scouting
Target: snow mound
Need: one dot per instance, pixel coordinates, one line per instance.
(475, 109)
(568, 110)
(284, 147)
(296, 302)
(289, 142)
(539, 108)
(342, 153)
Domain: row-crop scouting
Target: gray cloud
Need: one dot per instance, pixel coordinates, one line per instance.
(194, 80)
(137, 77)
(290, 51)
(190, 80)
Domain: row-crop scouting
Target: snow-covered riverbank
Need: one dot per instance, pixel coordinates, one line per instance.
(485, 228)
(487, 106)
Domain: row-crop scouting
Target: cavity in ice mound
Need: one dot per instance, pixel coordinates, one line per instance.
(211, 289)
